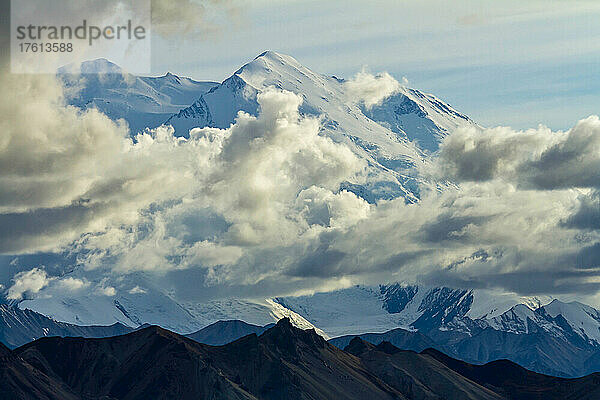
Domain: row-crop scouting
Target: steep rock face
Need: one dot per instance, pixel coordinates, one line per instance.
(421, 117)
(573, 321)
(218, 107)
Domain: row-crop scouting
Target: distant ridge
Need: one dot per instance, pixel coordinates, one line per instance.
(18, 327)
(223, 332)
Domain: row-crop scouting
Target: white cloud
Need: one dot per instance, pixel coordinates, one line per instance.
(107, 291)
(33, 282)
(371, 89)
(257, 207)
(245, 192)
(137, 290)
(64, 172)
(103, 289)
(537, 158)
(28, 282)
(72, 284)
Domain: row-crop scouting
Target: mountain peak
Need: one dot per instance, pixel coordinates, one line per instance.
(267, 54)
(274, 56)
(287, 336)
(358, 346)
(270, 68)
(154, 331)
(284, 322)
(387, 347)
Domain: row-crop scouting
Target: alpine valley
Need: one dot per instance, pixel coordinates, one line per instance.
(477, 326)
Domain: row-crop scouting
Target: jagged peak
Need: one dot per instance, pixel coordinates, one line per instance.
(285, 324)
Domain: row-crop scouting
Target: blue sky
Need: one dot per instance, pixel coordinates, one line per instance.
(516, 63)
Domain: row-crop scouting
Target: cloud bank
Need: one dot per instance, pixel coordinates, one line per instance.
(256, 209)
(535, 159)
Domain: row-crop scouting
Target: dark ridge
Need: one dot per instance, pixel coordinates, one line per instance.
(357, 346)
(518, 383)
(407, 340)
(284, 362)
(387, 348)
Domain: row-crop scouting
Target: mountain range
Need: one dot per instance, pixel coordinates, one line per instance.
(393, 137)
(284, 362)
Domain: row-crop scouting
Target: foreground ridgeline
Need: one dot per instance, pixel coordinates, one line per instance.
(284, 362)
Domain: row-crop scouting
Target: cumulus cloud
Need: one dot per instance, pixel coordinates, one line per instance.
(537, 158)
(28, 282)
(72, 284)
(106, 291)
(371, 89)
(256, 209)
(64, 172)
(32, 282)
(255, 185)
(137, 290)
(103, 289)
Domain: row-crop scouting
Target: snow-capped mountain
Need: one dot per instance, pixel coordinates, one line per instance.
(18, 327)
(421, 117)
(144, 102)
(361, 309)
(139, 301)
(571, 321)
(392, 136)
